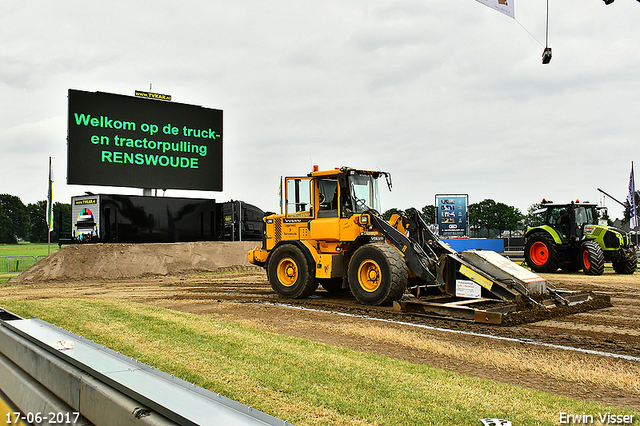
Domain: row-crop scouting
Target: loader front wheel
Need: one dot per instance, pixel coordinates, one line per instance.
(290, 274)
(377, 274)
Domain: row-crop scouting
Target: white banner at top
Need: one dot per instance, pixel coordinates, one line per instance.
(504, 6)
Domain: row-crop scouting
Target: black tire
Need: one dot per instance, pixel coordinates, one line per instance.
(377, 274)
(540, 253)
(627, 266)
(290, 274)
(592, 258)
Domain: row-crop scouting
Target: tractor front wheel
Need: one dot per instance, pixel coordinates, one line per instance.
(592, 258)
(290, 275)
(628, 265)
(377, 274)
(540, 253)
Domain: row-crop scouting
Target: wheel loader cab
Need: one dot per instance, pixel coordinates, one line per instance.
(323, 226)
(331, 194)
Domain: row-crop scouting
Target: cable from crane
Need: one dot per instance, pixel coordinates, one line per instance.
(529, 32)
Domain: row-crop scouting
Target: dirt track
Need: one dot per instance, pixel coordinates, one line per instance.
(245, 296)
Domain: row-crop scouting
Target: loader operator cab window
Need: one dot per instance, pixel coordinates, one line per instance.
(328, 198)
(364, 192)
(298, 201)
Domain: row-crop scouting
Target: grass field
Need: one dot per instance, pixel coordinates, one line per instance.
(5, 277)
(29, 249)
(294, 379)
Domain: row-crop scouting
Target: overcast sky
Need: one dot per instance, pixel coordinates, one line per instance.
(449, 96)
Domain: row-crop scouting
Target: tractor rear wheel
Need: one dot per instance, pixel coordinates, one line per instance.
(540, 253)
(627, 266)
(290, 274)
(377, 274)
(592, 258)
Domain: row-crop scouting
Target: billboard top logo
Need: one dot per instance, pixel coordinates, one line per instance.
(142, 94)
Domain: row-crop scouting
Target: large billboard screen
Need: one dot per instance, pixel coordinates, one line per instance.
(117, 140)
(452, 215)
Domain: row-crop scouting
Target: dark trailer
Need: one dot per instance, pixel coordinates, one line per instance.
(144, 219)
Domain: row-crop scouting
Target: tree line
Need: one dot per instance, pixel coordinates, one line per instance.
(20, 222)
(487, 218)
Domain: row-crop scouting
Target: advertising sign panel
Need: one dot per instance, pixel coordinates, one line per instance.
(139, 142)
(452, 215)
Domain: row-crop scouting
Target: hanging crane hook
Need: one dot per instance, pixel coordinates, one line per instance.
(546, 53)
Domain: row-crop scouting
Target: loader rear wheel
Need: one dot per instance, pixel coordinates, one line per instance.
(592, 258)
(540, 253)
(377, 274)
(290, 274)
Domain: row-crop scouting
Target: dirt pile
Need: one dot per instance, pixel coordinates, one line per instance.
(125, 261)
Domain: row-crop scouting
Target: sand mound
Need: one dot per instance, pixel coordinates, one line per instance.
(126, 261)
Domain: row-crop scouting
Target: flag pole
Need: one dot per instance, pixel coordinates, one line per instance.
(633, 199)
(48, 208)
(49, 213)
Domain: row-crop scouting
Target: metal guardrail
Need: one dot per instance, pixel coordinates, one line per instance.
(46, 370)
(20, 263)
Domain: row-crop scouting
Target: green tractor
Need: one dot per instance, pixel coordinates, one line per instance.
(573, 237)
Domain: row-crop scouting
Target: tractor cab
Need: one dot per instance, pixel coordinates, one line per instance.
(569, 220)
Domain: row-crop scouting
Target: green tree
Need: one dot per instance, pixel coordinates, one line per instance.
(531, 219)
(508, 218)
(411, 211)
(61, 227)
(387, 215)
(482, 215)
(14, 219)
(429, 213)
(489, 215)
(37, 222)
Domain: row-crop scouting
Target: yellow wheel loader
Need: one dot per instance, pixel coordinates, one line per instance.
(330, 233)
(327, 235)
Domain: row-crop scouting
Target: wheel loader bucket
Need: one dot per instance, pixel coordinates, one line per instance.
(501, 271)
(484, 286)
